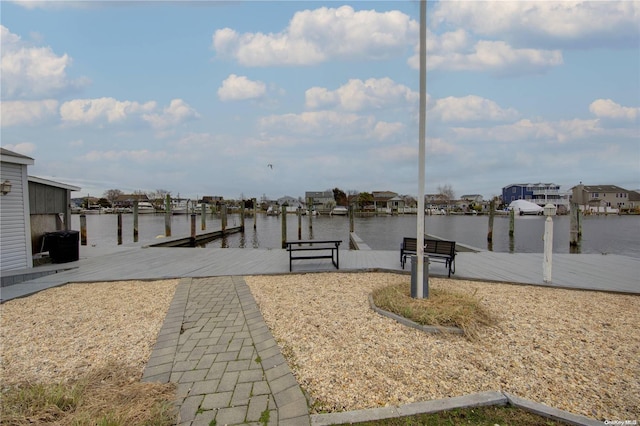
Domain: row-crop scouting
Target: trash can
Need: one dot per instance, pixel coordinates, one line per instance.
(63, 246)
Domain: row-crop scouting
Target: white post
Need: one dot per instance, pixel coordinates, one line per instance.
(421, 148)
(549, 210)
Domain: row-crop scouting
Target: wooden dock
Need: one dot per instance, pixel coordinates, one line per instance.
(613, 273)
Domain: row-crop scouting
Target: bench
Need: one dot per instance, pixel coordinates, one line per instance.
(437, 250)
(314, 246)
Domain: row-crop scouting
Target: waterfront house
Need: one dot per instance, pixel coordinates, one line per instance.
(600, 198)
(292, 203)
(323, 201)
(634, 201)
(124, 201)
(387, 202)
(15, 226)
(539, 193)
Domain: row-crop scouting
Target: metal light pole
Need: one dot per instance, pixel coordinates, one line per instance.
(421, 148)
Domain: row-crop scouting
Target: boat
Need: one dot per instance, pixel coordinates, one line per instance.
(180, 206)
(273, 211)
(145, 207)
(92, 209)
(524, 207)
(339, 211)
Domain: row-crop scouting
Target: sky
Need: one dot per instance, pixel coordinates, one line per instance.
(246, 99)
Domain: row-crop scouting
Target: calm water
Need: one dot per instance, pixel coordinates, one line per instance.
(603, 234)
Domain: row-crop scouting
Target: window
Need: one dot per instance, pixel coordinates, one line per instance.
(513, 190)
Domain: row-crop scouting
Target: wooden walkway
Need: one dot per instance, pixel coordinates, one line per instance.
(584, 271)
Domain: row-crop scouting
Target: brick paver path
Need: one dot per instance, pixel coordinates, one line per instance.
(215, 345)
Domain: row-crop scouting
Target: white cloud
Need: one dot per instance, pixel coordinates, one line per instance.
(315, 36)
(138, 156)
(548, 23)
(606, 108)
(383, 130)
(470, 108)
(497, 57)
(176, 113)
(24, 148)
(527, 130)
(88, 111)
(30, 72)
(357, 95)
(27, 112)
(236, 88)
(318, 123)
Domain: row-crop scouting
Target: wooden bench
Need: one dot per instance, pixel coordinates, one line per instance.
(437, 250)
(312, 246)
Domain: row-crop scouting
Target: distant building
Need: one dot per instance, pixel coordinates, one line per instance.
(292, 203)
(474, 198)
(597, 198)
(126, 200)
(634, 200)
(387, 201)
(323, 201)
(539, 193)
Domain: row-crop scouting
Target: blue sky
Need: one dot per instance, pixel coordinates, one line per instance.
(197, 98)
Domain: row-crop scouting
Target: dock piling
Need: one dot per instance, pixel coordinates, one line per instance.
(119, 228)
(492, 212)
(135, 221)
(167, 216)
(83, 229)
(284, 225)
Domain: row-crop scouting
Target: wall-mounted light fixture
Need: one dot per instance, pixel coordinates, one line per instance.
(5, 187)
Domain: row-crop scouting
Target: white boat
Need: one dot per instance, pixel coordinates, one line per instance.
(145, 207)
(524, 207)
(273, 211)
(339, 211)
(92, 209)
(180, 206)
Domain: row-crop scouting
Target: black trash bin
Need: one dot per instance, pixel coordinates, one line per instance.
(63, 246)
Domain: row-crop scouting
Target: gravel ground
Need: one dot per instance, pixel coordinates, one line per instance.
(573, 350)
(60, 333)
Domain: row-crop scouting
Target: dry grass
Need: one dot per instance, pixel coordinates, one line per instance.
(443, 307)
(111, 395)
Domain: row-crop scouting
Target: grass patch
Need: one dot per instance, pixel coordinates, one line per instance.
(111, 396)
(477, 416)
(442, 308)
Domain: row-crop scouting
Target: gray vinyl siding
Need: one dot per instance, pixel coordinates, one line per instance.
(15, 249)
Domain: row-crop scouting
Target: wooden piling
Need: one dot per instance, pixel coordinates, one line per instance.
(167, 216)
(492, 212)
(573, 227)
(223, 217)
(284, 225)
(242, 215)
(299, 213)
(135, 221)
(255, 213)
(203, 216)
(351, 227)
(512, 217)
(310, 204)
(119, 228)
(193, 227)
(83, 229)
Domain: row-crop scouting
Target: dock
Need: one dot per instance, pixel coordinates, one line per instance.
(613, 273)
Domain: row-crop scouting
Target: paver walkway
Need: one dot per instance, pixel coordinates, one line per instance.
(215, 345)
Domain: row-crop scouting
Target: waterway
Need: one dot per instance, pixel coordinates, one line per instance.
(601, 234)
